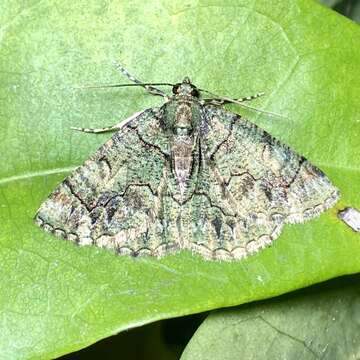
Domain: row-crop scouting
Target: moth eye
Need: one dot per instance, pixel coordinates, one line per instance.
(195, 93)
(175, 88)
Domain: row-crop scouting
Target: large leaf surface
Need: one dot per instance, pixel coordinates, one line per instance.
(319, 323)
(56, 297)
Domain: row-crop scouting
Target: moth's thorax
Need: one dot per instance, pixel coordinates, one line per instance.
(183, 119)
(182, 115)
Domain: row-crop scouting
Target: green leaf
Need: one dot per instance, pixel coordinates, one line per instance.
(319, 323)
(55, 297)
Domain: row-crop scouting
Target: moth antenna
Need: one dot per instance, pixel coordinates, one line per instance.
(118, 85)
(225, 99)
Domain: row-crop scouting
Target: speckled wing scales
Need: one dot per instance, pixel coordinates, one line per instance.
(253, 185)
(187, 175)
(115, 199)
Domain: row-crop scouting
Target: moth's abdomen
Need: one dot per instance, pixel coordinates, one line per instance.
(182, 161)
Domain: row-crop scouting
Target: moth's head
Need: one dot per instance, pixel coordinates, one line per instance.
(186, 88)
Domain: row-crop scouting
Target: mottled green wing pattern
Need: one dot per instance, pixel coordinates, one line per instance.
(252, 185)
(187, 175)
(115, 199)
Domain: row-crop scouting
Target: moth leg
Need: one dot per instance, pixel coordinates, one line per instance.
(116, 127)
(149, 88)
(222, 101)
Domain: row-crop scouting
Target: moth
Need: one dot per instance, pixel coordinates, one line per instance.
(186, 175)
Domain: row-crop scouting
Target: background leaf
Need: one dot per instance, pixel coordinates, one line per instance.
(55, 297)
(319, 323)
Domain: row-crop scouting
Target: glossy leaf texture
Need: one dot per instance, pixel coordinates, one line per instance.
(56, 297)
(321, 322)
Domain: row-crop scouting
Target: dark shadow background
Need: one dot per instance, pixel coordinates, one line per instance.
(348, 8)
(162, 340)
